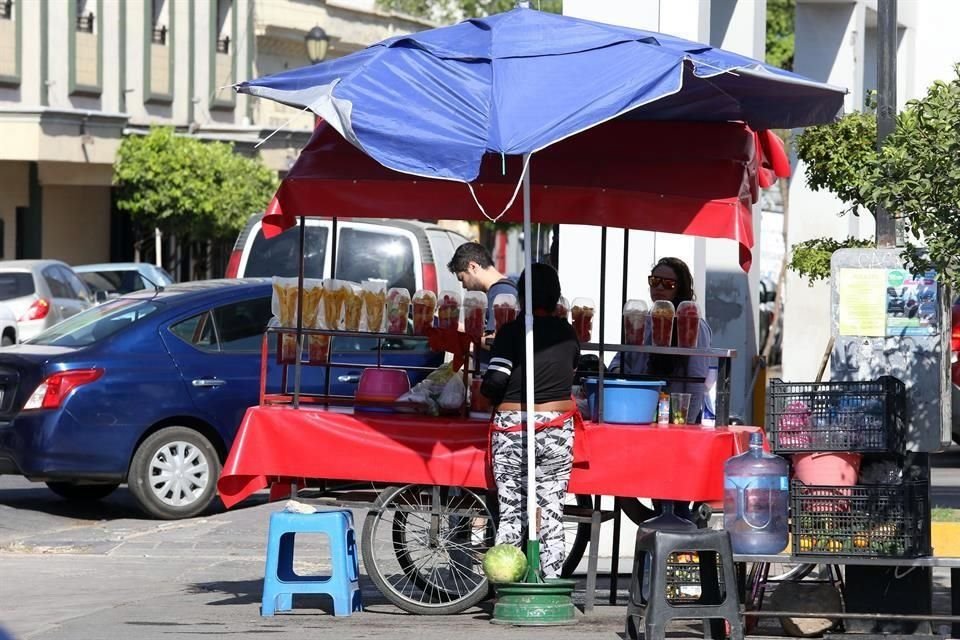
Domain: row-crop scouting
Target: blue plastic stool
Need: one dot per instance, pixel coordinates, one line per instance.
(280, 582)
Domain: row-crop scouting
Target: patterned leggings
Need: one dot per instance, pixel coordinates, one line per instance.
(554, 459)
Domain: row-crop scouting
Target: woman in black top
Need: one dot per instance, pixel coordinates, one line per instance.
(556, 351)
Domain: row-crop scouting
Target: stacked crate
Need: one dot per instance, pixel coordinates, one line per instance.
(889, 519)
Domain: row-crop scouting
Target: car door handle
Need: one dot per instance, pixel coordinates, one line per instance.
(208, 382)
(350, 378)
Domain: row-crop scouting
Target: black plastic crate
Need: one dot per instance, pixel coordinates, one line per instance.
(836, 416)
(861, 520)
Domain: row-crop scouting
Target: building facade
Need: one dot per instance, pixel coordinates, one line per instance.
(76, 76)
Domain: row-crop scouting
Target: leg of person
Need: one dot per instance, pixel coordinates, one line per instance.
(509, 474)
(554, 463)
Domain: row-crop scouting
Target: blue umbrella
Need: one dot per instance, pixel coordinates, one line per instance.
(434, 103)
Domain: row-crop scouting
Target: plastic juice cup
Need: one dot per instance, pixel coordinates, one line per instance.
(679, 407)
(688, 324)
(582, 315)
(661, 319)
(318, 349)
(474, 321)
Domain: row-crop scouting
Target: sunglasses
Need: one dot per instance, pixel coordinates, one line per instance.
(664, 283)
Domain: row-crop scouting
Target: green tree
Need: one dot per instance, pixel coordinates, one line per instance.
(196, 190)
(781, 16)
(449, 11)
(915, 176)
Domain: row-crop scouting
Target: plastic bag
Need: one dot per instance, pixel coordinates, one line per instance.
(374, 303)
(454, 394)
(427, 392)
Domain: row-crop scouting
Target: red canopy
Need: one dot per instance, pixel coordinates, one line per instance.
(678, 177)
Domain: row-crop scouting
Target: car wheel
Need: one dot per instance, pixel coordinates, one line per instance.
(7, 340)
(82, 492)
(174, 473)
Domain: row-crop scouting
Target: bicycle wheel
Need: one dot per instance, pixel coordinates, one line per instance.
(423, 547)
(576, 535)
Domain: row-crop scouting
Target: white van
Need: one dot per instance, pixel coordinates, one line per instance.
(408, 254)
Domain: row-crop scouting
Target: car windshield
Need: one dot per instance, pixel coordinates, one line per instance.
(95, 324)
(120, 281)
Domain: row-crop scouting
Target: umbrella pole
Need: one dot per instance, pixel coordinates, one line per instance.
(533, 542)
(534, 602)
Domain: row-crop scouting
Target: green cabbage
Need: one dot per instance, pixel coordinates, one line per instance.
(504, 563)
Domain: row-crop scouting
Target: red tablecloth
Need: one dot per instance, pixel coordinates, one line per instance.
(679, 463)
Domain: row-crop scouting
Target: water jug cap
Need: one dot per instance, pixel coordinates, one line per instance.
(756, 439)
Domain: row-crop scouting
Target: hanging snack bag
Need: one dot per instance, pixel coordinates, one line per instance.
(505, 309)
(582, 314)
(374, 303)
(475, 314)
(634, 321)
(424, 307)
(398, 310)
(448, 313)
(284, 307)
(334, 297)
(352, 306)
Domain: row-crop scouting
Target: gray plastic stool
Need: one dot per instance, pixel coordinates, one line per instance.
(656, 610)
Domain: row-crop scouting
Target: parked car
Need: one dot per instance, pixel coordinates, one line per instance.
(407, 254)
(149, 389)
(41, 293)
(9, 332)
(112, 279)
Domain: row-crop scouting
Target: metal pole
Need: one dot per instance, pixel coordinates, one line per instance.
(602, 317)
(297, 364)
(528, 365)
(886, 101)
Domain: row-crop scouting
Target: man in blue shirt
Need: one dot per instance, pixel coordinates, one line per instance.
(473, 266)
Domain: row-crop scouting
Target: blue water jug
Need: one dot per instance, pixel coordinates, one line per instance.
(755, 500)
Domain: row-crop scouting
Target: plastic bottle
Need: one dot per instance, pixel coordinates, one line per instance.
(755, 500)
(709, 416)
(663, 409)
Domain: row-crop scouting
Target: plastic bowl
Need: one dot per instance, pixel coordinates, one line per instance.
(625, 401)
(382, 385)
(833, 468)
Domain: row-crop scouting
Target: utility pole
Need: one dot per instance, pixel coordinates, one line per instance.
(886, 101)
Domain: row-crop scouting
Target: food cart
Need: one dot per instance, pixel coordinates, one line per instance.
(428, 476)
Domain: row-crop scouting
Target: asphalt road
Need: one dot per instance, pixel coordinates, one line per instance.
(104, 571)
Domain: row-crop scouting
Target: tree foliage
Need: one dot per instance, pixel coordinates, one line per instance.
(449, 11)
(915, 176)
(196, 190)
(781, 16)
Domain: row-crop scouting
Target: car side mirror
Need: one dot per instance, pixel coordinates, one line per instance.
(100, 296)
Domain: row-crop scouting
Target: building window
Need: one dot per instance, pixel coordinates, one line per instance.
(10, 31)
(223, 45)
(159, 22)
(86, 47)
(159, 42)
(85, 17)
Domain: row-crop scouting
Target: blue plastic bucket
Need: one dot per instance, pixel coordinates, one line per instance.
(625, 401)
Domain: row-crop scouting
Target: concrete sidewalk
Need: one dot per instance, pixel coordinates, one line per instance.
(125, 579)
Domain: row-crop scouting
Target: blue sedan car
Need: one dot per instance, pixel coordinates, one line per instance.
(149, 390)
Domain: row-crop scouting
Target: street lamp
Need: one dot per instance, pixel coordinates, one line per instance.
(318, 42)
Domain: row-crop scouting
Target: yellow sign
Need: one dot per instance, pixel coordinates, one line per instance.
(863, 309)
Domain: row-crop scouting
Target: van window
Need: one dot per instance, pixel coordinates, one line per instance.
(365, 254)
(279, 255)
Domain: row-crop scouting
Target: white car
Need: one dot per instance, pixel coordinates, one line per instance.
(41, 293)
(9, 332)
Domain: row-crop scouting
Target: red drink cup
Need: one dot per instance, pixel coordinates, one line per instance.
(662, 323)
(474, 321)
(688, 325)
(634, 327)
(504, 313)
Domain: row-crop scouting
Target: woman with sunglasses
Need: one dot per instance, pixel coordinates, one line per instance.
(671, 280)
